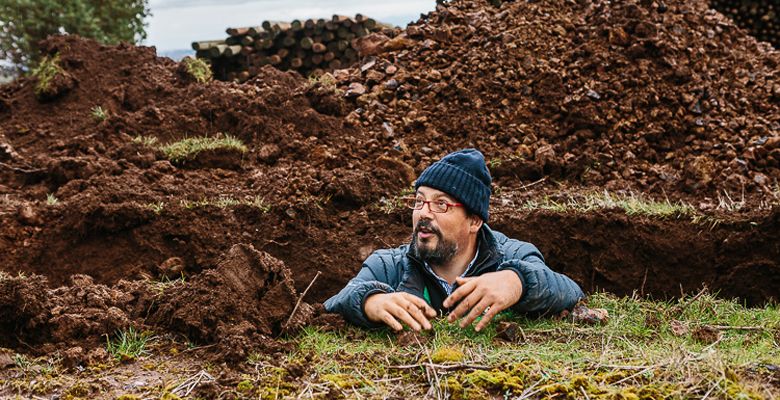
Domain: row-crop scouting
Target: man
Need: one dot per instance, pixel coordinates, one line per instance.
(455, 263)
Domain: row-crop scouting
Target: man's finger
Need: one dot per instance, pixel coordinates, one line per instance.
(463, 279)
(465, 305)
(421, 304)
(388, 319)
(476, 311)
(417, 314)
(401, 313)
(459, 293)
(494, 309)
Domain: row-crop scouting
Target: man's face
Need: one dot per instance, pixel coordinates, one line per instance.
(437, 237)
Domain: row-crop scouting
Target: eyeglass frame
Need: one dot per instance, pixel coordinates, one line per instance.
(424, 202)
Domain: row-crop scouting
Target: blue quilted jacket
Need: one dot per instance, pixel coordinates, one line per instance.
(397, 270)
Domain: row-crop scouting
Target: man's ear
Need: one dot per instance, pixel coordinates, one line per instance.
(475, 223)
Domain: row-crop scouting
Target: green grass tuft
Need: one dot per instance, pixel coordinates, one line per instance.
(188, 148)
(633, 205)
(45, 73)
(148, 141)
(98, 113)
(52, 200)
(198, 69)
(128, 345)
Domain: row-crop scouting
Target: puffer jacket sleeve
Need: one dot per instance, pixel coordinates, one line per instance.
(379, 274)
(544, 290)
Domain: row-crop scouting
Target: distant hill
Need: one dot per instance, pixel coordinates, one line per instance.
(176, 54)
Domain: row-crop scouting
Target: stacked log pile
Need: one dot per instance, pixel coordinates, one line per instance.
(310, 46)
(759, 18)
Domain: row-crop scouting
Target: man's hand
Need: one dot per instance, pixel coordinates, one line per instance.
(391, 307)
(497, 290)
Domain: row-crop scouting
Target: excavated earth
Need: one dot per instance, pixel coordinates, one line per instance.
(562, 97)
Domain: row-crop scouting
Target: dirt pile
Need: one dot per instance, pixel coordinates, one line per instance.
(240, 306)
(661, 96)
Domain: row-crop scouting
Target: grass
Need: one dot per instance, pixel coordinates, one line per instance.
(198, 69)
(98, 113)
(45, 73)
(635, 355)
(227, 202)
(188, 148)
(326, 81)
(148, 141)
(632, 205)
(52, 200)
(128, 345)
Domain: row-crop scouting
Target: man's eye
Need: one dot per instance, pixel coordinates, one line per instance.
(442, 203)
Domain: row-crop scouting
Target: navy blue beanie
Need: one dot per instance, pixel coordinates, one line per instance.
(462, 175)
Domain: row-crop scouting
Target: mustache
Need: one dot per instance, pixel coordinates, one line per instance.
(426, 224)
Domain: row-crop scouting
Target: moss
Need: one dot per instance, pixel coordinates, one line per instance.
(245, 386)
(344, 381)
(79, 390)
(479, 383)
(169, 396)
(128, 397)
(447, 354)
(735, 391)
(275, 384)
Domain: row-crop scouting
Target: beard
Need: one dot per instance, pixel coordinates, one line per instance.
(439, 255)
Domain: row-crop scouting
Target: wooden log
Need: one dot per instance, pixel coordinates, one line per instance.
(207, 44)
(255, 31)
(328, 36)
(309, 24)
(296, 63)
(334, 64)
(237, 31)
(342, 20)
(271, 26)
(369, 23)
(202, 54)
(217, 50)
(319, 48)
(283, 52)
(275, 59)
(247, 40)
(342, 33)
(247, 50)
(320, 23)
(328, 56)
(231, 51)
(296, 25)
(288, 41)
(317, 59)
(306, 43)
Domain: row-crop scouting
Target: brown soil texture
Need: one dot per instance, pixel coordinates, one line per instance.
(239, 305)
(311, 193)
(657, 96)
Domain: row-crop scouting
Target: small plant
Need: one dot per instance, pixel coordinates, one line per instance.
(190, 147)
(198, 69)
(157, 208)
(128, 345)
(326, 81)
(45, 73)
(52, 200)
(21, 361)
(148, 141)
(99, 114)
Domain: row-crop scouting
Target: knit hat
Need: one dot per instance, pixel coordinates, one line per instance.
(463, 175)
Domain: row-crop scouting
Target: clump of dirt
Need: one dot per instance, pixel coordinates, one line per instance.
(246, 299)
(240, 305)
(669, 97)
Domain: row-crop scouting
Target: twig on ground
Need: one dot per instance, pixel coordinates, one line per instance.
(298, 303)
(448, 367)
(191, 383)
(199, 348)
(533, 183)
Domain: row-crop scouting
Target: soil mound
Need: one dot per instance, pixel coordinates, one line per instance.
(657, 96)
(240, 305)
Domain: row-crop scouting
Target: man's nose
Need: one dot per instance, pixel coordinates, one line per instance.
(425, 211)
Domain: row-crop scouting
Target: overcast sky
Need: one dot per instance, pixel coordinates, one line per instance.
(175, 24)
